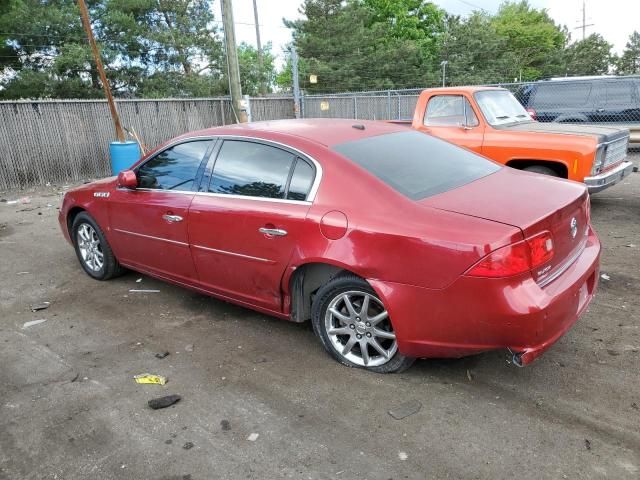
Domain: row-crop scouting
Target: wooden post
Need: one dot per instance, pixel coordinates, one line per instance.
(232, 61)
(263, 84)
(86, 23)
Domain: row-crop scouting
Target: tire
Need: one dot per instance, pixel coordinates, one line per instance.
(358, 331)
(542, 169)
(93, 250)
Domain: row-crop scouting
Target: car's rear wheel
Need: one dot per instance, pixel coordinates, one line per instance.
(355, 328)
(542, 169)
(93, 250)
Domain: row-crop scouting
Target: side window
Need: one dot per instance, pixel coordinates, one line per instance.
(175, 168)
(445, 110)
(301, 181)
(561, 94)
(251, 169)
(472, 119)
(619, 93)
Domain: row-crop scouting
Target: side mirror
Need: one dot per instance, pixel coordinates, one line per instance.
(128, 179)
(464, 126)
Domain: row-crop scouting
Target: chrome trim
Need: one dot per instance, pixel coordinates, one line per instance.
(310, 197)
(246, 197)
(276, 232)
(172, 218)
(608, 178)
(135, 234)
(234, 254)
(565, 266)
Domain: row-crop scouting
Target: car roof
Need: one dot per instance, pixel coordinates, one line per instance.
(470, 89)
(325, 131)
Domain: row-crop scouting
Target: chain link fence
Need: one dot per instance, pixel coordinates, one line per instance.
(60, 141)
(374, 105)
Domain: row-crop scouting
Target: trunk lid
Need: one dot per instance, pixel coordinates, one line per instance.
(531, 202)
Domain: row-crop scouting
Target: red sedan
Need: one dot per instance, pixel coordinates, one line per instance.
(394, 244)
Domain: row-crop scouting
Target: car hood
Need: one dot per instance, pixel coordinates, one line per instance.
(603, 133)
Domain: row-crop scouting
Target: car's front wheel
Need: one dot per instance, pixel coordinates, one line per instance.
(92, 248)
(354, 326)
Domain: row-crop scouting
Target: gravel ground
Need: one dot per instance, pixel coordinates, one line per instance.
(69, 408)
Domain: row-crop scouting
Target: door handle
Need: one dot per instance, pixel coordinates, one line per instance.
(172, 218)
(275, 232)
(600, 110)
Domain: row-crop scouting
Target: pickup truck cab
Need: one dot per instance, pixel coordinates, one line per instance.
(490, 121)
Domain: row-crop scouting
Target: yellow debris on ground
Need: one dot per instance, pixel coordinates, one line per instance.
(149, 378)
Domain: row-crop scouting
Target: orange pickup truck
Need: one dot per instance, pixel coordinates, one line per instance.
(490, 121)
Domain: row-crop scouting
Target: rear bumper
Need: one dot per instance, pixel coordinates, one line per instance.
(474, 315)
(606, 179)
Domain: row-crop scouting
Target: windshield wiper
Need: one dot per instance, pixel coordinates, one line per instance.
(522, 115)
(503, 117)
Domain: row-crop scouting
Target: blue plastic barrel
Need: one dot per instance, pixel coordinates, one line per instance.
(123, 155)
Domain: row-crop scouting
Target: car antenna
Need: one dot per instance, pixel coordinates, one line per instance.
(358, 126)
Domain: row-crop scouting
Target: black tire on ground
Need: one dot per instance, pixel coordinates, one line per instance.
(110, 267)
(542, 169)
(332, 291)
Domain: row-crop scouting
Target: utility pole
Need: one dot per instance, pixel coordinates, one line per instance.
(232, 61)
(295, 80)
(263, 85)
(86, 23)
(584, 21)
(444, 72)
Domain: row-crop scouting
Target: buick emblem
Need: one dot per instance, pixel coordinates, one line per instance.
(574, 227)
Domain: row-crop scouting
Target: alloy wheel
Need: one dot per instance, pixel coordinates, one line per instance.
(359, 329)
(90, 247)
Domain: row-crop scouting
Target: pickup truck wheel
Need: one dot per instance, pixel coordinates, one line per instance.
(542, 169)
(354, 327)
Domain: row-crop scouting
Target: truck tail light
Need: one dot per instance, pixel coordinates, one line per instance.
(532, 112)
(516, 258)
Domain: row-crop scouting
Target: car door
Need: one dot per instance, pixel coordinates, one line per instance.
(149, 223)
(244, 228)
(452, 118)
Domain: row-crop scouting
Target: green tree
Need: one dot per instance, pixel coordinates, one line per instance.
(251, 76)
(591, 56)
(534, 40)
(474, 51)
(150, 48)
(350, 45)
(629, 62)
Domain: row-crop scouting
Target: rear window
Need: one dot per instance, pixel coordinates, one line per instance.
(415, 164)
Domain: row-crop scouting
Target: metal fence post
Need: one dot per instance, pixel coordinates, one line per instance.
(222, 119)
(388, 104)
(247, 107)
(355, 107)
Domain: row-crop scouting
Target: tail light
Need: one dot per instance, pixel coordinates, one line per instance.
(516, 258)
(532, 112)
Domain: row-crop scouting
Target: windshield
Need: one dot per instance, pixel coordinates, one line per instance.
(415, 164)
(500, 107)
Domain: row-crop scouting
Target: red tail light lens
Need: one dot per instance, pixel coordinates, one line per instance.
(516, 258)
(532, 112)
(541, 247)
